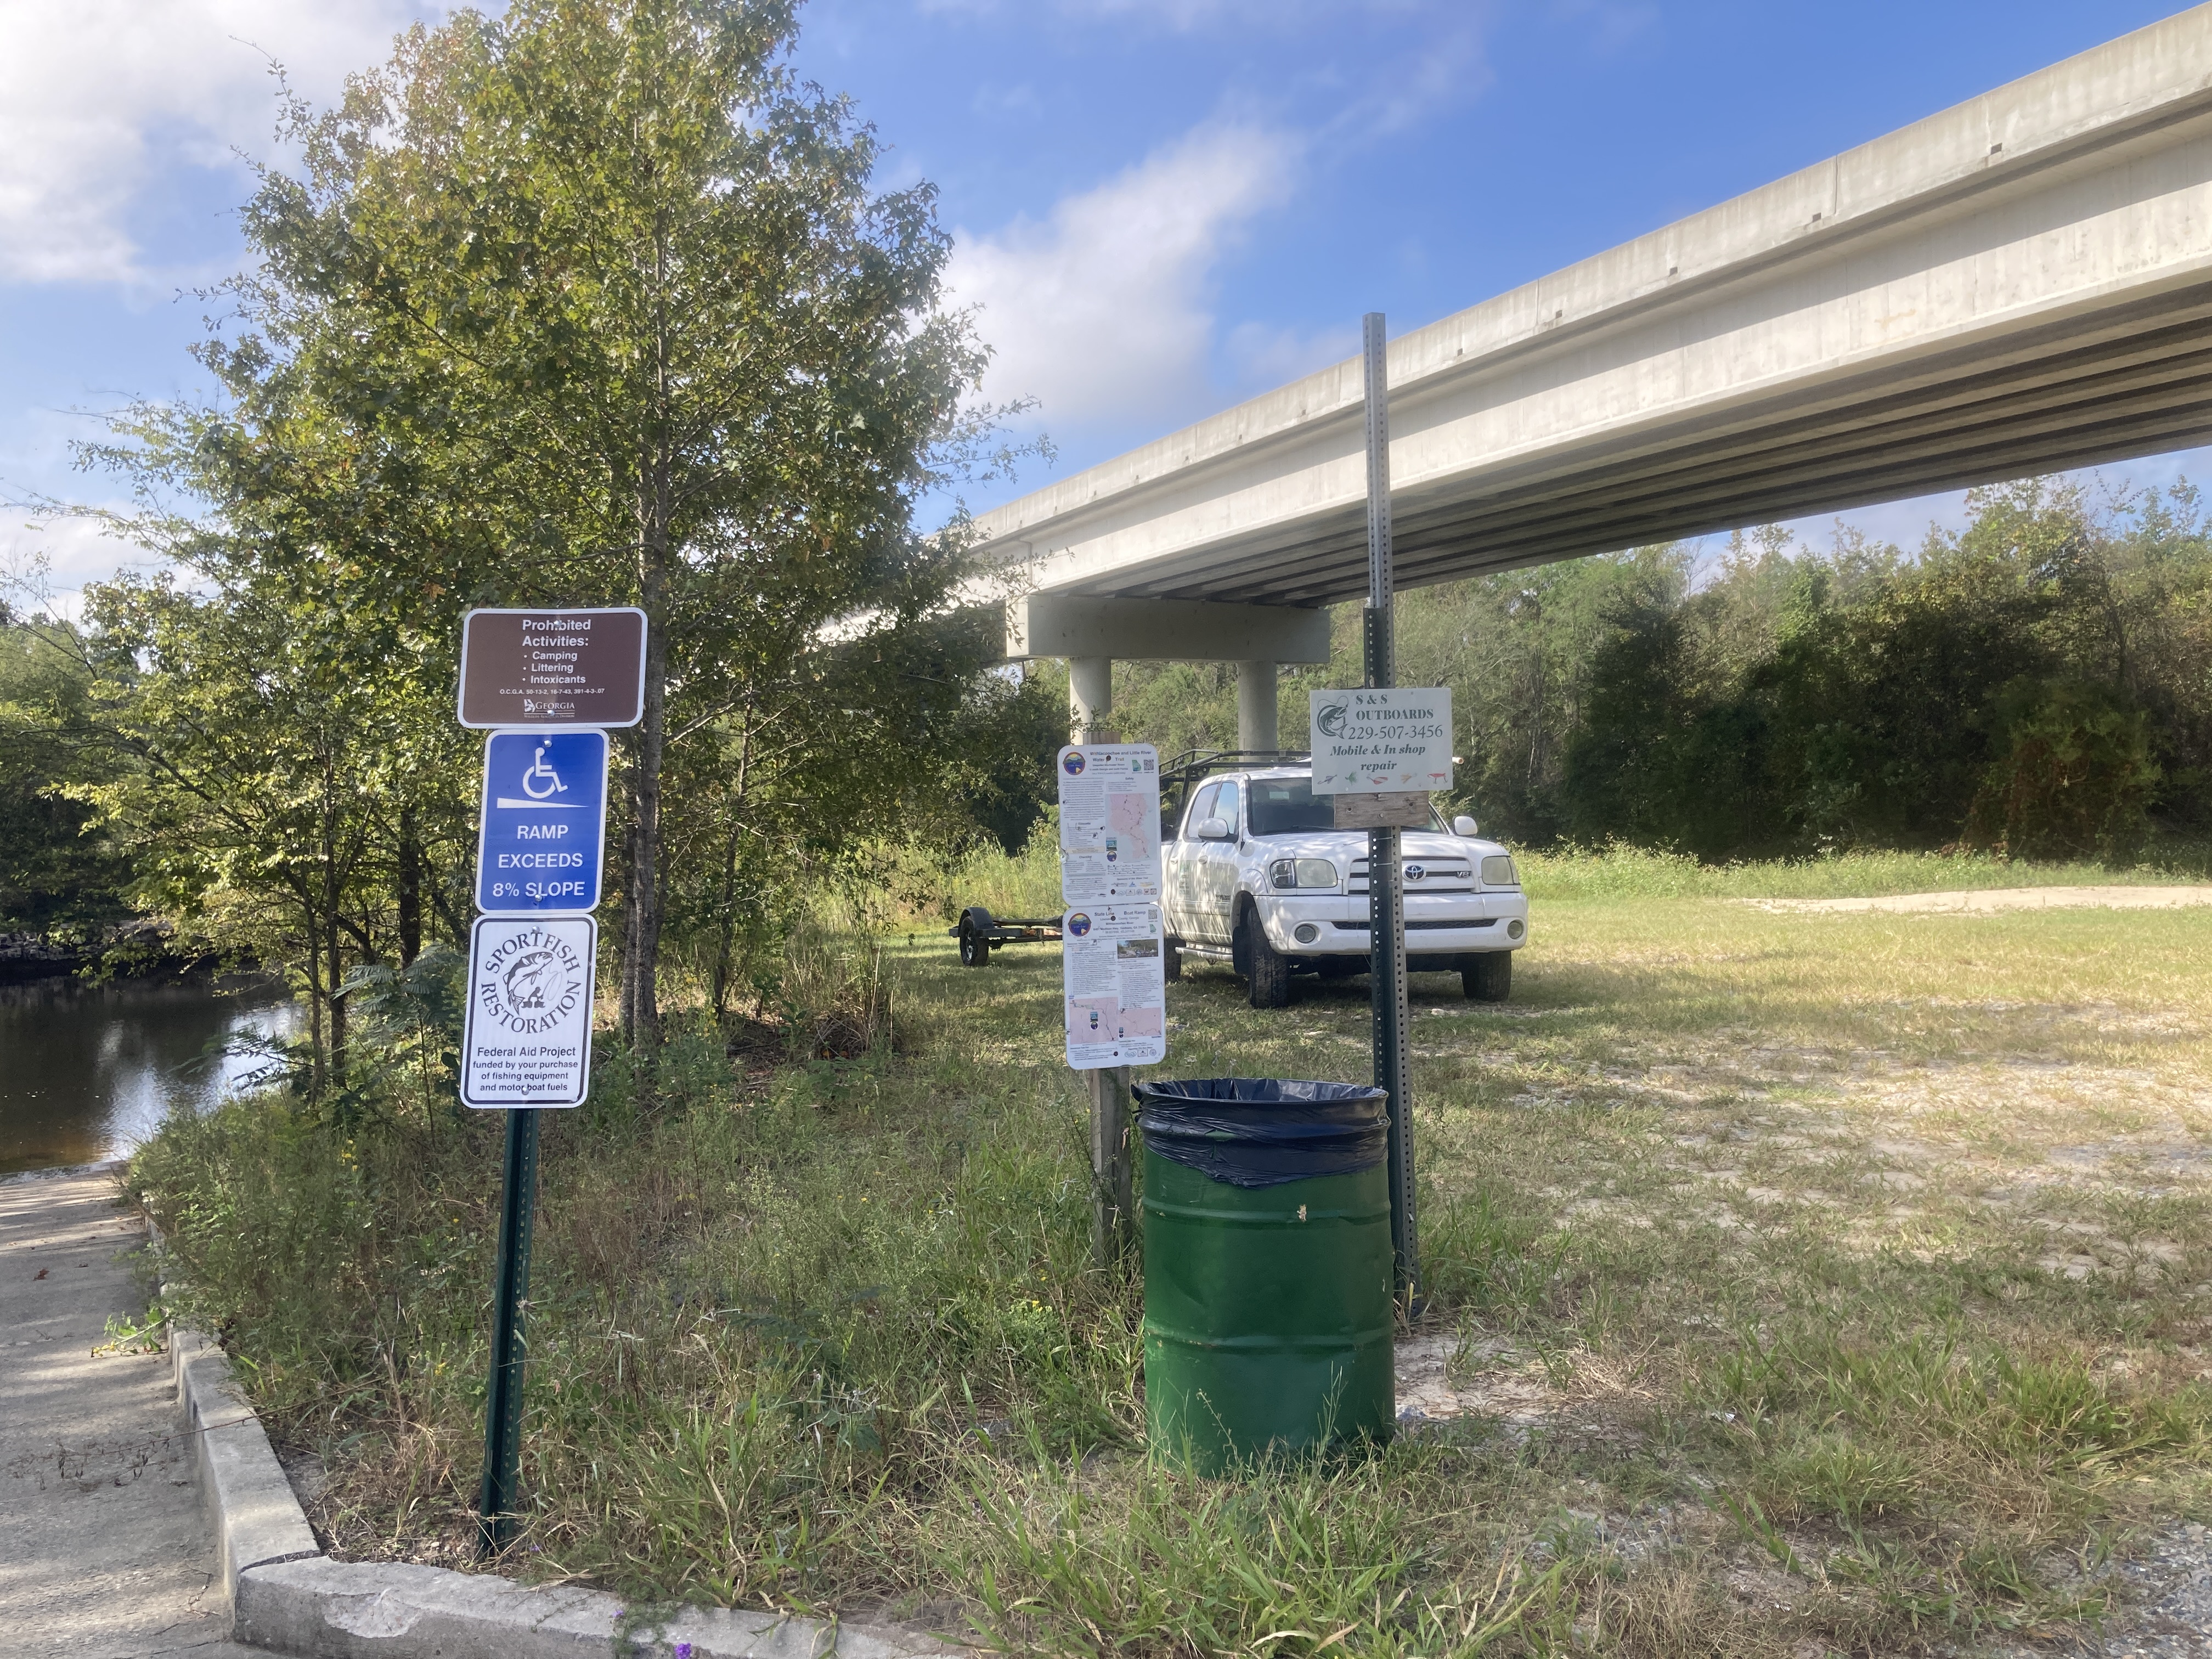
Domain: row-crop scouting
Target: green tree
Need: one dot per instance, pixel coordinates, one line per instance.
(270, 774)
(60, 875)
(593, 303)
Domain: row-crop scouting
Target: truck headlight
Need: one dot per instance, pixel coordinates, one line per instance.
(1286, 874)
(1498, 870)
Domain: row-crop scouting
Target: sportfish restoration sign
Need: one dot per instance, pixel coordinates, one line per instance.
(529, 1031)
(1381, 740)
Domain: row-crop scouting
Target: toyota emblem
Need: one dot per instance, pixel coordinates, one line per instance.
(1414, 872)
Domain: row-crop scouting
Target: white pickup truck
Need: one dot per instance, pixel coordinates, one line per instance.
(1257, 874)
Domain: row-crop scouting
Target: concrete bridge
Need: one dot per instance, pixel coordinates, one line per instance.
(2018, 284)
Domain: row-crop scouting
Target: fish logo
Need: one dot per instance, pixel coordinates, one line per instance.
(1330, 717)
(530, 984)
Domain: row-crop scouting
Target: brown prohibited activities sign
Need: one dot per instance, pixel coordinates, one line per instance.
(553, 667)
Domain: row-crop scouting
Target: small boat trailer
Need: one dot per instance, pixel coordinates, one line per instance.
(979, 932)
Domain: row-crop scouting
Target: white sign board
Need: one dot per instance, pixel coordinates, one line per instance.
(529, 1034)
(1392, 740)
(1110, 823)
(1116, 996)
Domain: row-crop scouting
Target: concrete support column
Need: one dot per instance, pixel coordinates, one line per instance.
(1090, 696)
(1256, 706)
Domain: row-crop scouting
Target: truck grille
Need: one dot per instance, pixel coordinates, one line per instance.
(1443, 877)
(1416, 927)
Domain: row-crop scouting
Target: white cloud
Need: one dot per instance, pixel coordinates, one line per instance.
(100, 98)
(46, 559)
(1102, 310)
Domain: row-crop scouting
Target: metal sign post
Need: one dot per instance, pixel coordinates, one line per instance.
(1386, 904)
(565, 675)
(502, 1463)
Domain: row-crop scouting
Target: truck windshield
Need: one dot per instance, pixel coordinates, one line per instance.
(1288, 806)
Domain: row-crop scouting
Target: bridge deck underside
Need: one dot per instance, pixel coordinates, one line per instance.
(2125, 382)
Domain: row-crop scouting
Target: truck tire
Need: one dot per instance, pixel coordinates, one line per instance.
(1268, 979)
(1488, 976)
(1170, 958)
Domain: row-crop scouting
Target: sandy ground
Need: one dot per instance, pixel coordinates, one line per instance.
(2000, 898)
(102, 1552)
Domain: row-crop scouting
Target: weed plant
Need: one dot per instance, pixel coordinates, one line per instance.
(1830, 1282)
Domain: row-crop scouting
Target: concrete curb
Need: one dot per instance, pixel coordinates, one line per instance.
(251, 1509)
(363, 1610)
(286, 1596)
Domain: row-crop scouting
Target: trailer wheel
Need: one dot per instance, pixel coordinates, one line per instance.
(1170, 958)
(974, 948)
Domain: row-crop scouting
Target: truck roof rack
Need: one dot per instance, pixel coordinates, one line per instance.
(1194, 764)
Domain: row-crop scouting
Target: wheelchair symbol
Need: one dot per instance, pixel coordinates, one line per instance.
(539, 780)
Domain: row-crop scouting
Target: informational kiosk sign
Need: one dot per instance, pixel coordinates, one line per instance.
(1111, 971)
(1110, 823)
(1387, 740)
(553, 667)
(528, 1038)
(541, 839)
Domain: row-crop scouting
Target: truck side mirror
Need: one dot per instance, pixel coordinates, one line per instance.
(1464, 825)
(1213, 830)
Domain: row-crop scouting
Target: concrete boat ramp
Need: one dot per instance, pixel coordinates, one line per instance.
(103, 1553)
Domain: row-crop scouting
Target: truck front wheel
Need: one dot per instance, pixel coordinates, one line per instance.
(1268, 975)
(1488, 977)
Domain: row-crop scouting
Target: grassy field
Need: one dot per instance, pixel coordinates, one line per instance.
(1796, 1284)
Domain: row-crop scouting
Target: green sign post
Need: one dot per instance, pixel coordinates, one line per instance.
(540, 676)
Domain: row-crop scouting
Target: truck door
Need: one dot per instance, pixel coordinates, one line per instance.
(1216, 868)
(1179, 878)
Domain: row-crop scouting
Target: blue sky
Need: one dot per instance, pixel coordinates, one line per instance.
(1163, 206)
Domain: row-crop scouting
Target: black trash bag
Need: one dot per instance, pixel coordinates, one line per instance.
(1263, 1131)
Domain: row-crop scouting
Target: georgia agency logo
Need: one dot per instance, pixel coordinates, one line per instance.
(1414, 872)
(1077, 925)
(1331, 719)
(1073, 762)
(531, 981)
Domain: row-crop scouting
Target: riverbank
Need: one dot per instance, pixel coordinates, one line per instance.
(102, 1552)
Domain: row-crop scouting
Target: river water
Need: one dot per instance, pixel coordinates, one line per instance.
(86, 1072)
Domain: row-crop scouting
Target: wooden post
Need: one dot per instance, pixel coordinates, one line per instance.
(1113, 1222)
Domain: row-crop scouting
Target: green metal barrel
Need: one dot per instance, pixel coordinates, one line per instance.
(1268, 1308)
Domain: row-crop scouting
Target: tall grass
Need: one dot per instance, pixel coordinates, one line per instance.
(1024, 884)
(1619, 871)
(1028, 882)
(827, 1334)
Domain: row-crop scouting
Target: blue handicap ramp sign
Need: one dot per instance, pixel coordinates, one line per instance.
(544, 824)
